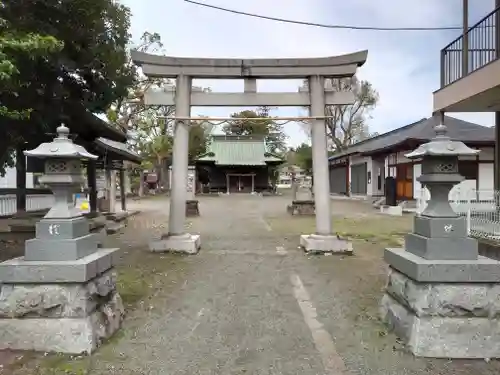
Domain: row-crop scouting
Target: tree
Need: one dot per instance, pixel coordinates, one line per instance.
(123, 112)
(259, 123)
(86, 68)
(303, 157)
(347, 124)
(199, 138)
(30, 45)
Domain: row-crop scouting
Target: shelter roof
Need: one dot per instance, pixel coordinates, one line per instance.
(423, 131)
(117, 150)
(89, 126)
(239, 150)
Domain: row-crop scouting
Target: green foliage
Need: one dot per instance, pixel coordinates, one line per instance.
(199, 138)
(258, 123)
(57, 57)
(29, 44)
(303, 157)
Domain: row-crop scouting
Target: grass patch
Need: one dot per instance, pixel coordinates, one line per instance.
(132, 284)
(374, 228)
(58, 364)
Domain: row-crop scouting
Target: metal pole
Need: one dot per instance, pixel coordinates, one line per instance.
(496, 164)
(20, 180)
(465, 39)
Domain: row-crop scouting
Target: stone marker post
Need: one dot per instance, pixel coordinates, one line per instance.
(442, 298)
(300, 206)
(295, 188)
(61, 296)
(192, 208)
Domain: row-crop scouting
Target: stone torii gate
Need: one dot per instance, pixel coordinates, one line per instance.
(185, 69)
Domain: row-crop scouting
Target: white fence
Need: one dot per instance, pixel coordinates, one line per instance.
(480, 207)
(34, 202)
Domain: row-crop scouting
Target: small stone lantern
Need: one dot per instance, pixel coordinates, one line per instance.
(441, 296)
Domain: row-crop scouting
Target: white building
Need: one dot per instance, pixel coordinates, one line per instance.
(363, 167)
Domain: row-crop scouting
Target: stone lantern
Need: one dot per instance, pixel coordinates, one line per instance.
(64, 221)
(442, 298)
(440, 233)
(61, 296)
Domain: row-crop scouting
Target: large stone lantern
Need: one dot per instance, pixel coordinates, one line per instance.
(442, 298)
(64, 222)
(61, 296)
(440, 233)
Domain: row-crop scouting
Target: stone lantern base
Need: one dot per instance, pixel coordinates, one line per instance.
(443, 309)
(59, 306)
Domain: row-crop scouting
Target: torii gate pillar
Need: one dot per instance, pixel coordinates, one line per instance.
(177, 239)
(323, 241)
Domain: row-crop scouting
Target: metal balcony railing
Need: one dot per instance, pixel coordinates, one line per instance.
(466, 54)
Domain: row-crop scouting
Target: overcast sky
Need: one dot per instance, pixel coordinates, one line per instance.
(402, 66)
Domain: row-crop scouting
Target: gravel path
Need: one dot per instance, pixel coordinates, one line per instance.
(251, 302)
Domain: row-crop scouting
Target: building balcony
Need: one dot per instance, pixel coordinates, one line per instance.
(470, 70)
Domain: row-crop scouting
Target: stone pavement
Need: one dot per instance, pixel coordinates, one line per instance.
(251, 302)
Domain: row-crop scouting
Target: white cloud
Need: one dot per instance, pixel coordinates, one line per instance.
(402, 66)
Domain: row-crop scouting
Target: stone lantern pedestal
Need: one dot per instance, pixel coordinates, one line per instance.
(61, 295)
(442, 298)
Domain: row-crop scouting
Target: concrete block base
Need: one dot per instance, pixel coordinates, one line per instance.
(444, 320)
(68, 318)
(391, 210)
(302, 207)
(317, 244)
(185, 243)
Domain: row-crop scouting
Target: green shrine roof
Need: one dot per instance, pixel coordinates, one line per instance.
(238, 150)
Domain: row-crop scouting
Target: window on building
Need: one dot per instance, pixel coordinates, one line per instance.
(469, 169)
(393, 159)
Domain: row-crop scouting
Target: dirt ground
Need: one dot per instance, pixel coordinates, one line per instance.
(245, 303)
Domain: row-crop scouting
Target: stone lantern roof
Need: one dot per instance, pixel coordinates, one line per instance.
(61, 147)
(442, 145)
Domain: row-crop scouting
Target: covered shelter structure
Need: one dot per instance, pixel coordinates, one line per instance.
(113, 156)
(361, 169)
(236, 164)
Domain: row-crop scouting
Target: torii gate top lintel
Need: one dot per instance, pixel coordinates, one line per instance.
(171, 67)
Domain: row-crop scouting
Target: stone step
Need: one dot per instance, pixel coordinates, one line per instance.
(113, 227)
